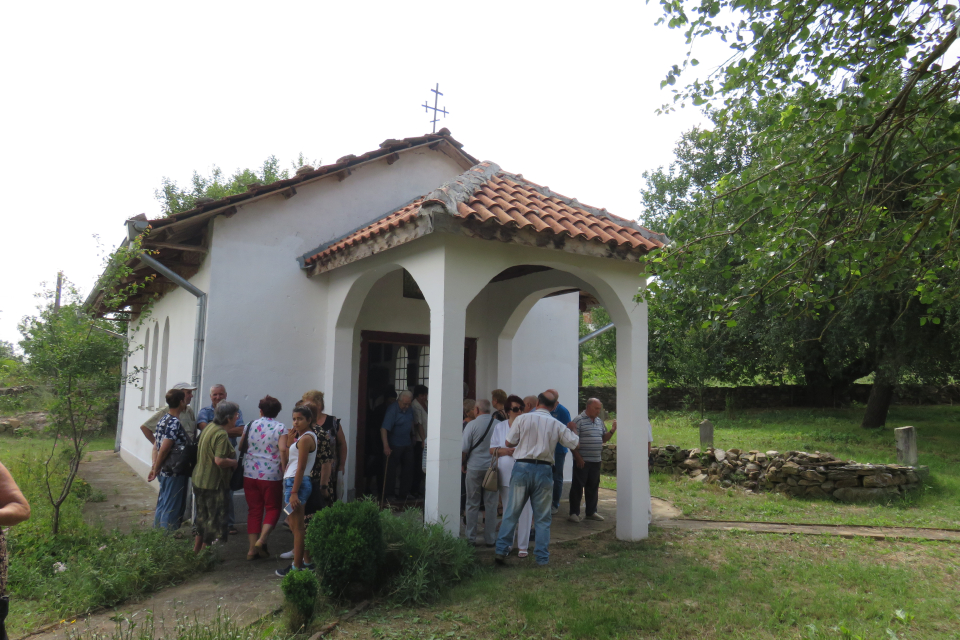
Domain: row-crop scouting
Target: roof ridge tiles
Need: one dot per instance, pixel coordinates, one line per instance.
(462, 188)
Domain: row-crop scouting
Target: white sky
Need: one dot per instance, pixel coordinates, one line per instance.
(102, 100)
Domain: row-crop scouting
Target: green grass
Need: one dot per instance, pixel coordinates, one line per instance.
(835, 431)
(699, 585)
(83, 567)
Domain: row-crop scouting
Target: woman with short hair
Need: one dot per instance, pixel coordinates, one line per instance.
(211, 476)
(263, 475)
(505, 461)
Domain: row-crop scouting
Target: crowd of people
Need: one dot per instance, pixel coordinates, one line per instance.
(294, 470)
(297, 469)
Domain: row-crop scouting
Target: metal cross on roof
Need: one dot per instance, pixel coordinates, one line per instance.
(427, 107)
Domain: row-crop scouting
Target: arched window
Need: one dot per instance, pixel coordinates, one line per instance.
(145, 371)
(164, 352)
(400, 376)
(423, 374)
(152, 395)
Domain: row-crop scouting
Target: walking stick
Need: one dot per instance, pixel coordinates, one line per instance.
(383, 493)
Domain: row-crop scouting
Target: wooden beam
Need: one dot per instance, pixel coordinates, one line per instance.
(288, 193)
(177, 247)
(393, 157)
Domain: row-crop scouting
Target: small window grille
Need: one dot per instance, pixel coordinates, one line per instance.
(423, 375)
(400, 378)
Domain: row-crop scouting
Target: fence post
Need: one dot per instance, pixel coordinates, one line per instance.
(706, 434)
(906, 438)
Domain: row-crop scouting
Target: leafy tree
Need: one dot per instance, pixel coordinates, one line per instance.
(598, 357)
(78, 357)
(842, 214)
(174, 198)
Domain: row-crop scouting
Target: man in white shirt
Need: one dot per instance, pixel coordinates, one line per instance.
(534, 437)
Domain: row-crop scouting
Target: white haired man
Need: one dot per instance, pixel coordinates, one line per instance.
(397, 436)
(475, 458)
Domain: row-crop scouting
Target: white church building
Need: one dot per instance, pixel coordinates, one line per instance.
(413, 263)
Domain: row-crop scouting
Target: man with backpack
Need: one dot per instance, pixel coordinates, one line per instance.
(475, 461)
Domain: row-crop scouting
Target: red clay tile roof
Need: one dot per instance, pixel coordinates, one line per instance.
(387, 148)
(487, 194)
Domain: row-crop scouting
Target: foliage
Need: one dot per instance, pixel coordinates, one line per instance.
(346, 542)
(83, 567)
(174, 199)
(300, 590)
(422, 561)
(598, 357)
(81, 367)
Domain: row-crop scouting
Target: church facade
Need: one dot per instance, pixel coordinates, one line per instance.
(414, 263)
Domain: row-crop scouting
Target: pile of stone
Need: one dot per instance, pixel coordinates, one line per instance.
(9, 425)
(608, 459)
(15, 391)
(796, 473)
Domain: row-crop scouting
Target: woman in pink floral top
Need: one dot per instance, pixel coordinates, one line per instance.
(263, 475)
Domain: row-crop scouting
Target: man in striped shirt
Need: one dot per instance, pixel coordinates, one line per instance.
(593, 433)
(533, 437)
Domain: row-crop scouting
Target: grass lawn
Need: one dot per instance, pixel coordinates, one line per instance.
(14, 446)
(835, 431)
(697, 585)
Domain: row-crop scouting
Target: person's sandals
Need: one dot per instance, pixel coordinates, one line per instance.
(522, 554)
(253, 556)
(262, 550)
(233, 531)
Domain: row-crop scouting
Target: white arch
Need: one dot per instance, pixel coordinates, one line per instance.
(145, 370)
(164, 356)
(151, 396)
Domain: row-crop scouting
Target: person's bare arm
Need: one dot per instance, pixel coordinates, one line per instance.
(341, 450)
(225, 463)
(325, 470)
(234, 431)
(159, 459)
(609, 434)
(284, 452)
(148, 434)
(14, 507)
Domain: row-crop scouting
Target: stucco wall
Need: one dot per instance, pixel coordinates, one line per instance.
(545, 349)
(179, 307)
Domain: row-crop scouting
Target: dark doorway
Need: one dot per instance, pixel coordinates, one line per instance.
(395, 361)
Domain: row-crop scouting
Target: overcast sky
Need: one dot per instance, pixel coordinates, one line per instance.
(102, 100)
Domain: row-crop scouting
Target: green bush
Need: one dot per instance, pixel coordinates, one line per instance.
(422, 560)
(345, 541)
(300, 594)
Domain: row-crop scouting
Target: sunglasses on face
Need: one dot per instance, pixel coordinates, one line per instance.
(516, 409)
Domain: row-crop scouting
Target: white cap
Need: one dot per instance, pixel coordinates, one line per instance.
(186, 386)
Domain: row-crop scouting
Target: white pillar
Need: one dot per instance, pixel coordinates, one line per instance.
(341, 376)
(447, 290)
(633, 479)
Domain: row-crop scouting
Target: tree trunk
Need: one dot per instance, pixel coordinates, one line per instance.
(56, 519)
(878, 405)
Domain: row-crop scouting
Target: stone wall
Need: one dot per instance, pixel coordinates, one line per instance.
(770, 396)
(796, 473)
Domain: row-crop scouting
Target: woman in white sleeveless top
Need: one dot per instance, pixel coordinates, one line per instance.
(296, 480)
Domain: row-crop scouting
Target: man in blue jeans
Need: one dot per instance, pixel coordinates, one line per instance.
(534, 437)
(560, 454)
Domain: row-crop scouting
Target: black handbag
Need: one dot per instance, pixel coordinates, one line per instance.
(182, 457)
(236, 480)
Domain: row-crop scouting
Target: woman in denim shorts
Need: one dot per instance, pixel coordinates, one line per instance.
(296, 480)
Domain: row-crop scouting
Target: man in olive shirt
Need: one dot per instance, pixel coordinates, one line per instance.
(211, 478)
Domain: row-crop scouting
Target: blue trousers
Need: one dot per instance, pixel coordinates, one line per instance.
(171, 502)
(534, 482)
(559, 457)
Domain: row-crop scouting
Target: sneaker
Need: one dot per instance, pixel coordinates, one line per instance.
(595, 516)
(573, 518)
(555, 510)
(309, 566)
(288, 555)
(500, 560)
(287, 569)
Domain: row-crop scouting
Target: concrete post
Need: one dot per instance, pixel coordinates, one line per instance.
(706, 434)
(633, 479)
(906, 438)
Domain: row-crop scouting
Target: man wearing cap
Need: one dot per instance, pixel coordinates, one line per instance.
(187, 419)
(218, 393)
